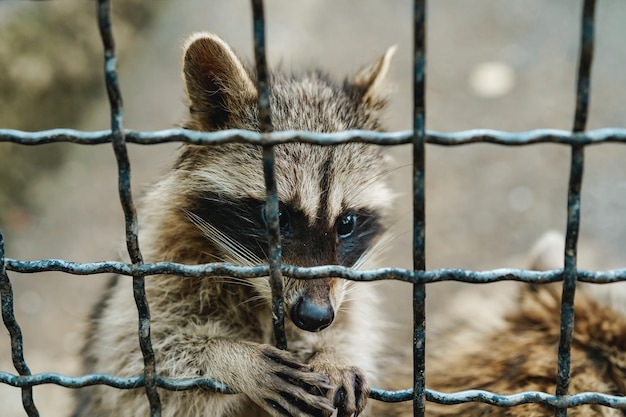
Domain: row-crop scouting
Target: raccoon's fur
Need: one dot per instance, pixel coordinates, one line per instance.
(334, 208)
(518, 351)
(523, 357)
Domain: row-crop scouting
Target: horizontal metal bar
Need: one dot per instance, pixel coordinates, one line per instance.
(112, 381)
(376, 394)
(238, 271)
(607, 135)
(508, 400)
(529, 397)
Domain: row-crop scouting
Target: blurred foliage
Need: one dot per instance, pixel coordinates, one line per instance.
(51, 68)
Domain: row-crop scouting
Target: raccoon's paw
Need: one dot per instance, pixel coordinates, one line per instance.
(351, 389)
(285, 387)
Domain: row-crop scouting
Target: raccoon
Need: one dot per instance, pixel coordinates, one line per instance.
(522, 356)
(517, 351)
(334, 210)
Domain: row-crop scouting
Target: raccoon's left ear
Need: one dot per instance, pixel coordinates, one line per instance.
(218, 85)
(369, 80)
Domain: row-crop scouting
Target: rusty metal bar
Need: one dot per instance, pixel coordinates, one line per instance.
(511, 400)
(271, 196)
(118, 140)
(15, 332)
(573, 204)
(171, 384)
(530, 137)
(419, 216)
(238, 271)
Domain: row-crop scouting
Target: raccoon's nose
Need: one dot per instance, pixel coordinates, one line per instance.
(311, 317)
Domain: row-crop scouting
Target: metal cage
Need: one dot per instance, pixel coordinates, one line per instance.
(418, 277)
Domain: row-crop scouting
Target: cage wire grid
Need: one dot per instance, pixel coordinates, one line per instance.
(577, 140)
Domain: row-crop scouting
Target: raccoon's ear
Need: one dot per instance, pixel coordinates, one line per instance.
(217, 82)
(369, 80)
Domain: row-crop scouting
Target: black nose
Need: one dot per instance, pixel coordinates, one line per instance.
(310, 316)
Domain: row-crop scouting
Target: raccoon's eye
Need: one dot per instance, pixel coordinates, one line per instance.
(284, 220)
(346, 225)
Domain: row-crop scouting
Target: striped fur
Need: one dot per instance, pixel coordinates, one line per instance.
(507, 343)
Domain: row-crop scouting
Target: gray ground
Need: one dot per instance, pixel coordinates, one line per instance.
(486, 205)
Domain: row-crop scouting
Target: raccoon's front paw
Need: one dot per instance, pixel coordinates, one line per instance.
(285, 387)
(351, 389)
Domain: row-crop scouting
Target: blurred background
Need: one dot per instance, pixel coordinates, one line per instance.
(503, 64)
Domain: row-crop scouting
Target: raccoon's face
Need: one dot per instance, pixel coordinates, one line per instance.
(334, 201)
(332, 211)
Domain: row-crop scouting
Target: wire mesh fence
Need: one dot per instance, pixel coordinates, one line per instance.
(419, 276)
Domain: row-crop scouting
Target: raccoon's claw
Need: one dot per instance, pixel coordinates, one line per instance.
(293, 407)
(352, 391)
(291, 388)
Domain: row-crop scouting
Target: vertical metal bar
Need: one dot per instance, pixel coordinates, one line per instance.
(584, 66)
(573, 204)
(419, 218)
(130, 214)
(17, 342)
(271, 198)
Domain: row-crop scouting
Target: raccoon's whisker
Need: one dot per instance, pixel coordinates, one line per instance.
(350, 289)
(380, 247)
(262, 249)
(242, 254)
(385, 173)
(215, 256)
(369, 254)
(217, 200)
(239, 253)
(353, 193)
(256, 300)
(247, 220)
(225, 259)
(234, 210)
(232, 280)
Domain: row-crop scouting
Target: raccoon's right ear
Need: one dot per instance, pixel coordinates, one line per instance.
(369, 80)
(217, 82)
